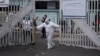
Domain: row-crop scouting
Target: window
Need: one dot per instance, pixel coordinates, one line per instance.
(47, 5)
(51, 5)
(10, 8)
(94, 4)
(41, 5)
(57, 5)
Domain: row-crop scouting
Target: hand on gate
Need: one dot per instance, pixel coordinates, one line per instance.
(34, 21)
(35, 18)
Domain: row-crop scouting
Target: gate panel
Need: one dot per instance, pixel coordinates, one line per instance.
(21, 34)
(94, 14)
(71, 35)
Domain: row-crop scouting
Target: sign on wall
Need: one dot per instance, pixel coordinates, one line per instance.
(4, 3)
(73, 8)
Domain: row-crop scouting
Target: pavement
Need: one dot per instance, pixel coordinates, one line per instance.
(40, 49)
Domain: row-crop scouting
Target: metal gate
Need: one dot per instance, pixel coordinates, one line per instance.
(72, 35)
(20, 34)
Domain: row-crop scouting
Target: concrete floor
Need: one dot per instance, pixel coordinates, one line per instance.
(40, 49)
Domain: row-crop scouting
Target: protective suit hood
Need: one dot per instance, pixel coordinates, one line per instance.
(47, 21)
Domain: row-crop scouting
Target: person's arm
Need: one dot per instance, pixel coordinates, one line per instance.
(34, 21)
(55, 25)
(42, 20)
(40, 26)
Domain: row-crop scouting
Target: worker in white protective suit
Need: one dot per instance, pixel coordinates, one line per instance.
(50, 26)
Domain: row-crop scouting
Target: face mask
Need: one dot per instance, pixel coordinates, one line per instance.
(47, 22)
(27, 18)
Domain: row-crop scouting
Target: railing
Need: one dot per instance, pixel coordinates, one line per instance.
(71, 35)
(11, 31)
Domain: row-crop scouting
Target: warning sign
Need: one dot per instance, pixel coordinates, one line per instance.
(73, 8)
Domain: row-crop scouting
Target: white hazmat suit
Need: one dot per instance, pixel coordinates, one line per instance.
(49, 26)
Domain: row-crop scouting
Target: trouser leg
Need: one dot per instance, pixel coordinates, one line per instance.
(43, 32)
(24, 35)
(34, 35)
(29, 35)
(10, 38)
(50, 42)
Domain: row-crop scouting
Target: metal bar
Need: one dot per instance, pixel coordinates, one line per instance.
(60, 35)
(98, 17)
